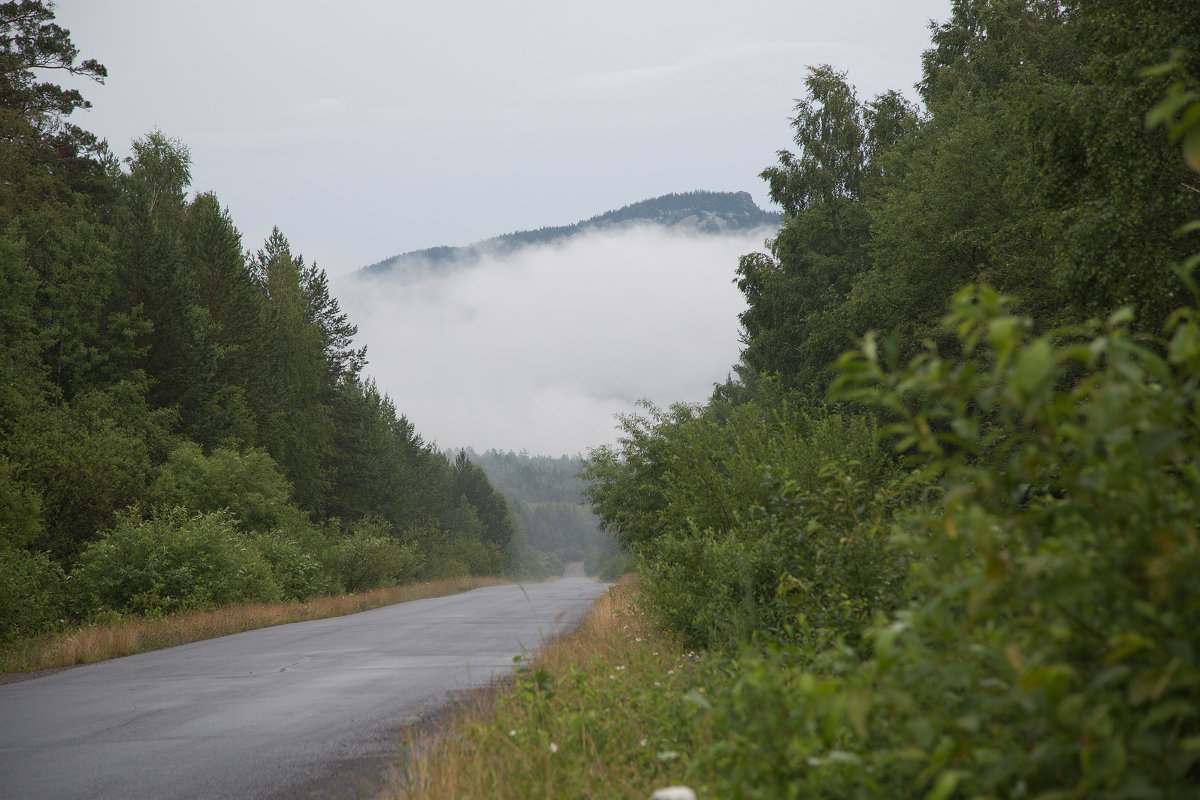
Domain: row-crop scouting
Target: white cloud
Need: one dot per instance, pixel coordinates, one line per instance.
(541, 350)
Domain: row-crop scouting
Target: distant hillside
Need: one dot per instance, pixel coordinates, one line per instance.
(698, 212)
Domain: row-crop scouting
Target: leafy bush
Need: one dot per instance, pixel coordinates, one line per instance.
(616, 566)
(446, 554)
(86, 458)
(171, 561)
(246, 483)
(31, 593)
(1050, 649)
(769, 519)
(811, 566)
(609, 560)
(297, 567)
(1056, 637)
(370, 558)
(549, 564)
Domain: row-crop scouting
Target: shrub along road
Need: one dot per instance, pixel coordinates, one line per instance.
(262, 712)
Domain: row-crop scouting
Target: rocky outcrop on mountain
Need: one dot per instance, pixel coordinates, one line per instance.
(689, 212)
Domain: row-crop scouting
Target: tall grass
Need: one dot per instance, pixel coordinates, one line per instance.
(137, 634)
(606, 712)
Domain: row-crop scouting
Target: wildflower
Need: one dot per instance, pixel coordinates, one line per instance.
(643, 742)
(553, 748)
(620, 668)
(512, 732)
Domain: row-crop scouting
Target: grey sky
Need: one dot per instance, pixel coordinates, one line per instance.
(366, 129)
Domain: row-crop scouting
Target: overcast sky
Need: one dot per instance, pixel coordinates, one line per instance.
(366, 129)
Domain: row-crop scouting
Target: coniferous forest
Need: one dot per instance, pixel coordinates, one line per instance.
(184, 421)
(939, 534)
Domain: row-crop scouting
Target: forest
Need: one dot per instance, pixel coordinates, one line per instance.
(184, 422)
(938, 534)
(552, 523)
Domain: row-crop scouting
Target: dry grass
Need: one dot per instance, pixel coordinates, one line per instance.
(134, 635)
(590, 717)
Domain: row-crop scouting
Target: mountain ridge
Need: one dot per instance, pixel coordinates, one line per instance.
(702, 212)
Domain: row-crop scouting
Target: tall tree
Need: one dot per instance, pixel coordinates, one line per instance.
(34, 112)
(471, 484)
(337, 332)
(232, 305)
(791, 326)
(180, 353)
(294, 418)
(1115, 192)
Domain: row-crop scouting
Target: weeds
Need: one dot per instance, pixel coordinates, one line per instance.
(606, 712)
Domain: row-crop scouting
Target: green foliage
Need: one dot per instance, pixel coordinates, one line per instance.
(455, 552)
(609, 561)
(20, 510)
(171, 560)
(774, 730)
(1017, 617)
(471, 485)
(294, 420)
(1118, 191)
(369, 557)
(247, 484)
(792, 326)
(31, 593)
(569, 530)
(302, 565)
(768, 519)
(86, 459)
(545, 500)
(31, 39)
(1049, 648)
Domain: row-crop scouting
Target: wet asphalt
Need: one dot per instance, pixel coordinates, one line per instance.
(273, 712)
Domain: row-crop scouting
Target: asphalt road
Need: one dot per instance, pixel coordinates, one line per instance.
(272, 712)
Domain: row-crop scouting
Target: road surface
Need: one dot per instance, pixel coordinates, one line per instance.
(272, 712)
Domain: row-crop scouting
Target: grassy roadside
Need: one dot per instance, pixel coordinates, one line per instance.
(606, 712)
(90, 643)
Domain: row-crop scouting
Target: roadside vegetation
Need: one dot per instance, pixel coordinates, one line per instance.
(597, 714)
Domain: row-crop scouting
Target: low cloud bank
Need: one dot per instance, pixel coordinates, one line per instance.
(541, 349)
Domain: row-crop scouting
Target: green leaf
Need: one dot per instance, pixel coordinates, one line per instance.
(1033, 365)
(947, 782)
(1191, 149)
(1165, 111)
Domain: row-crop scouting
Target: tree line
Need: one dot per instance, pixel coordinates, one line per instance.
(184, 422)
(942, 521)
(552, 522)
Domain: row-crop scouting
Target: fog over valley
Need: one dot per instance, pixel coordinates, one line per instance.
(538, 349)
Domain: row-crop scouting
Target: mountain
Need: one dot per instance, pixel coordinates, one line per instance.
(694, 212)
